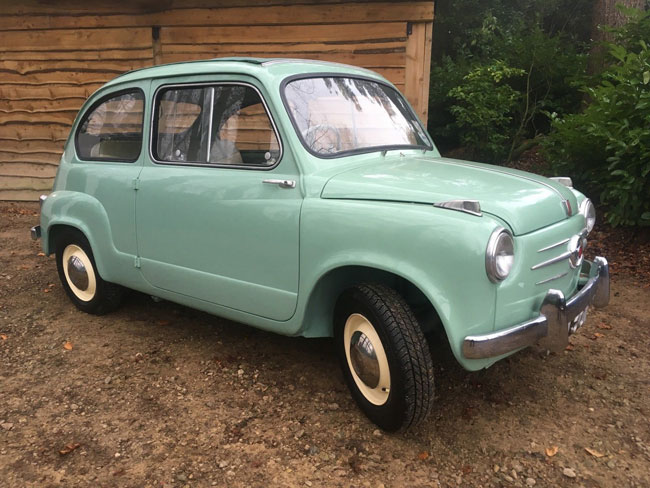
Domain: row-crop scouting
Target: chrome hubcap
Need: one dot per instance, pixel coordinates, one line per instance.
(364, 359)
(77, 273)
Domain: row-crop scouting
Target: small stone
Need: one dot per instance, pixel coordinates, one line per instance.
(508, 478)
(377, 433)
(300, 433)
(313, 450)
(496, 468)
(223, 464)
(74, 406)
(7, 425)
(181, 477)
(569, 473)
(611, 464)
(117, 454)
(530, 482)
(518, 467)
(308, 483)
(108, 379)
(240, 372)
(333, 406)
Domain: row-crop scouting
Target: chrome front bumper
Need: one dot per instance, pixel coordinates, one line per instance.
(559, 317)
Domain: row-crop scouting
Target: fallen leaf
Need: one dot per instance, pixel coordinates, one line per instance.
(570, 347)
(552, 451)
(68, 448)
(67, 346)
(41, 254)
(594, 453)
(598, 335)
(423, 455)
(47, 290)
(604, 326)
(3, 337)
(163, 322)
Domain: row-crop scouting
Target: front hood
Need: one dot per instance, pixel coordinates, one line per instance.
(527, 202)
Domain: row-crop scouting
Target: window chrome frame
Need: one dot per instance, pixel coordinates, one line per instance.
(103, 99)
(212, 84)
(364, 150)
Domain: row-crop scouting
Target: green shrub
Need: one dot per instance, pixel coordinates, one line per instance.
(606, 148)
(483, 109)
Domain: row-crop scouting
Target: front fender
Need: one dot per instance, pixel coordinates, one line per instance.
(440, 251)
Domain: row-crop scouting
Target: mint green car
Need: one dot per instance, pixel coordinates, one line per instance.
(307, 199)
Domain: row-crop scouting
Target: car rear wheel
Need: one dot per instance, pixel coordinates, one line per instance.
(384, 356)
(79, 276)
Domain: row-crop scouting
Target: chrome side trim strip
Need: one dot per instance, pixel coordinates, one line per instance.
(556, 277)
(472, 207)
(554, 245)
(556, 259)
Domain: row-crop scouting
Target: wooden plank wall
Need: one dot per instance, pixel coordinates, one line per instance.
(54, 55)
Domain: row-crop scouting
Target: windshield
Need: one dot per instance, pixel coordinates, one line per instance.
(336, 115)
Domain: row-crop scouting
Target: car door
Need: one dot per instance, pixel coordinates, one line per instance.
(212, 222)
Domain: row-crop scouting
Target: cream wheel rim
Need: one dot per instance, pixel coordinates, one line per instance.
(79, 272)
(366, 359)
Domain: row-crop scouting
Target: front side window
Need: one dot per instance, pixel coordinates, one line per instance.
(221, 125)
(337, 115)
(112, 130)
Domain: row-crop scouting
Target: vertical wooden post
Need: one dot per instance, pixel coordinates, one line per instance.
(156, 45)
(418, 65)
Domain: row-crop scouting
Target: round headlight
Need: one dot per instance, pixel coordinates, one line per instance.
(588, 211)
(499, 255)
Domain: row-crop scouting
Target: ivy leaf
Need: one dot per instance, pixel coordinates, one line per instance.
(646, 77)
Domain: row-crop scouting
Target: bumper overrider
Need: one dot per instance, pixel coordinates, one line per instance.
(559, 317)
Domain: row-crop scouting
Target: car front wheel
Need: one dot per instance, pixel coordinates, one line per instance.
(384, 356)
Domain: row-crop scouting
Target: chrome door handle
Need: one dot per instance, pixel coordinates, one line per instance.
(281, 183)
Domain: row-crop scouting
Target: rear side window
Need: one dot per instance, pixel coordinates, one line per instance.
(112, 129)
(214, 125)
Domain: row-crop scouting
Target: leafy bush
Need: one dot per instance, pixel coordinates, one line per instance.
(606, 148)
(548, 61)
(484, 107)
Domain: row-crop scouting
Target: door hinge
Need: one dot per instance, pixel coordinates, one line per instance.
(409, 28)
(137, 262)
(136, 183)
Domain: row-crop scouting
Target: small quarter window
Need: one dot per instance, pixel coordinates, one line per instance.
(112, 130)
(220, 125)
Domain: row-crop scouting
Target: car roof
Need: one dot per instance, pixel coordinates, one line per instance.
(259, 67)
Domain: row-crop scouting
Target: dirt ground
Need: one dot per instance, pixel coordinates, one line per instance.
(159, 395)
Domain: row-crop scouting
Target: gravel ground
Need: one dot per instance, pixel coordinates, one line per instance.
(159, 395)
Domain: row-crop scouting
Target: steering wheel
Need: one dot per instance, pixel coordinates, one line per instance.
(316, 136)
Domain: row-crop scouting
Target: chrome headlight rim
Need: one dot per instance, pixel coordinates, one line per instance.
(588, 211)
(492, 252)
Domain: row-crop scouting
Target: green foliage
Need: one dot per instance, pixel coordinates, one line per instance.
(526, 36)
(607, 146)
(483, 108)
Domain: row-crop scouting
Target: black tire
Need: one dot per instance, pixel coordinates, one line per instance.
(411, 390)
(105, 297)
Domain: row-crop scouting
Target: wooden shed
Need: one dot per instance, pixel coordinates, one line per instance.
(53, 55)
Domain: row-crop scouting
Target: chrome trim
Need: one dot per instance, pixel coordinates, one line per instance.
(364, 359)
(490, 254)
(563, 180)
(554, 245)
(556, 259)
(35, 232)
(271, 62)
(281, 183)
(77, 273)
(209, 148)
(214, 165)
(472, 207)
(558, 318)
(556, 277)
(41, 200)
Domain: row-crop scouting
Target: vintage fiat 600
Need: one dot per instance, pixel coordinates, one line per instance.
(307, 199)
